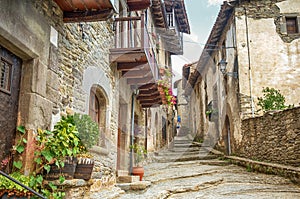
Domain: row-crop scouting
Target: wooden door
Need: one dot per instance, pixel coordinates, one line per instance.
(10, 74)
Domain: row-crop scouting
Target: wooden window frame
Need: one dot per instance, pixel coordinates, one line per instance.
(94, 106)
(284, 24)
(7, 88)
(291, 25)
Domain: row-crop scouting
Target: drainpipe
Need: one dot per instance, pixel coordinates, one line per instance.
(132, 132)
(146, 129)
(249, 63)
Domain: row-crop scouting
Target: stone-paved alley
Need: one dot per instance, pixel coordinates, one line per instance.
(207, 177)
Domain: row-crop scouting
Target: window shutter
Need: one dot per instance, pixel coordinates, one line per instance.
(298, 23)
(283, 25)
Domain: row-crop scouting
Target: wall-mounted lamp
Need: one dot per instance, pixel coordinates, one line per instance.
(83, 29)
(223, 64)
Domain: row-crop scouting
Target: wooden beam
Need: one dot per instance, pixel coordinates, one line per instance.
(132, 66)
(127, 56)
(148, 86)
(148, 92)
(87, 15)
(155, 95)
(139, 81)
(155, 101)
(151, 106)
(136, 73)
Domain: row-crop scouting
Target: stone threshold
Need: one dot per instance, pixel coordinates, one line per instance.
(134, 186)
(293, 173)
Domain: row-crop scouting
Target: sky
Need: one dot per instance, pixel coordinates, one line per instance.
(201, 15)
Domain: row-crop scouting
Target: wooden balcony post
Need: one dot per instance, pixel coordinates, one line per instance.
(143, 29)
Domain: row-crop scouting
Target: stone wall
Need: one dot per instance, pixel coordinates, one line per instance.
(83, 63)
(267, 55)
(274, 137)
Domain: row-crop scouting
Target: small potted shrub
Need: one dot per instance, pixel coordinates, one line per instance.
(89, 134)
(58, 149)
(139, 157)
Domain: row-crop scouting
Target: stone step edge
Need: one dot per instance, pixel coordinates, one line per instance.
(293, 173)
(134, 186)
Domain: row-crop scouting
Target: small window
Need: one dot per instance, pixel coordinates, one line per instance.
(291, 25)
(5, 75)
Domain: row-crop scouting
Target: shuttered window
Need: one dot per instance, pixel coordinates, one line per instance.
(291, 25)
(5, 75)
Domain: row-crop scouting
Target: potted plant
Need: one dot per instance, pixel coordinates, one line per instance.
(139, 157)
(57, 149)
(89, 135)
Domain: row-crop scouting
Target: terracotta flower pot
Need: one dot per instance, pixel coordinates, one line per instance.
(138, 171)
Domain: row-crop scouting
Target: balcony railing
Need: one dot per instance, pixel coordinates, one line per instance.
(132, 37)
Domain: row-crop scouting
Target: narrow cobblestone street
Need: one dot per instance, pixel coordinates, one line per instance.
(208, 177)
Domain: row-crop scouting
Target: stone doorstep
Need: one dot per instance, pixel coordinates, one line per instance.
(128, 179)
(135, 186)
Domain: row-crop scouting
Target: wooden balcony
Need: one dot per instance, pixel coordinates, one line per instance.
(85, 10)
(138, 4)
(134, 55)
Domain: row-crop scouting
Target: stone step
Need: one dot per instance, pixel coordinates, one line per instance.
(182, 149)
(185, 158)
(182, 141)
(185, 145)
(134, 186)
(127, 179)
(168, 153)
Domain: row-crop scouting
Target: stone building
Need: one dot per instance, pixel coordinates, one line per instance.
(252, 45)
(98, 58)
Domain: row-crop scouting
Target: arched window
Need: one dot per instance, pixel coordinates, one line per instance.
(97, 111)
(94, 108)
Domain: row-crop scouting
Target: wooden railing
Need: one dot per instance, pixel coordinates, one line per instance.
(131, 35)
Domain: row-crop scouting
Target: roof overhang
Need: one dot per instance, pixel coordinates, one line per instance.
(222, 20)
(86, 10)
(138, 4)
(180, 14)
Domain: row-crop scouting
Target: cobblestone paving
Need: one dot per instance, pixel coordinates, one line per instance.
(211, 179)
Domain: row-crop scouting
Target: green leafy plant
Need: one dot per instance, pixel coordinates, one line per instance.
(55, 145)
(11, 188)
(19, 147)
(35, 179)
(139, 153)
(87, 128)
(272, 100)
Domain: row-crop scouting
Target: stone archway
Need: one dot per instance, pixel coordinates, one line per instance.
(227, 134)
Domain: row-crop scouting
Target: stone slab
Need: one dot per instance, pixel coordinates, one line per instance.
(128, 179)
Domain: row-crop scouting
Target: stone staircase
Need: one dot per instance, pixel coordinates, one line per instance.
(184, 149)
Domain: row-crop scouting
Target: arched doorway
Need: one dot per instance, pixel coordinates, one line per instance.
(227, 136)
